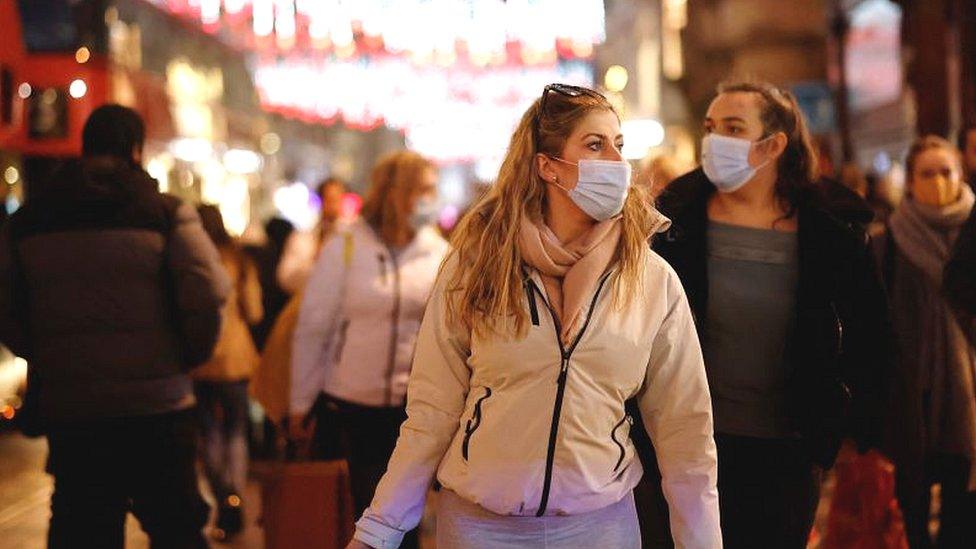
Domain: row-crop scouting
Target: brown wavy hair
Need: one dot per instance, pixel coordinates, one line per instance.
(387, 204)
(487, 285)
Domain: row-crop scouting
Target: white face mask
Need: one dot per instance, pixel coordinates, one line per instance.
(726, 161)
(425, 213)
(602, 187)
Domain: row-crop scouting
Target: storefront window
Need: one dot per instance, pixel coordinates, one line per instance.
(6, 96)
(48, 25)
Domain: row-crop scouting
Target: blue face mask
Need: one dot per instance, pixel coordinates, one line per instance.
(601, 188)
(725, 161)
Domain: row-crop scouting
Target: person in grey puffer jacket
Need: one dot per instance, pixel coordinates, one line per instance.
(112, 292)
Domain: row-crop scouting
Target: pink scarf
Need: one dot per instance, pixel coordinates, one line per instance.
(570, 272)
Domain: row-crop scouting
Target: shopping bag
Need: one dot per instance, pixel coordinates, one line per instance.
(271, 383)
(864, 513)
(307, 504)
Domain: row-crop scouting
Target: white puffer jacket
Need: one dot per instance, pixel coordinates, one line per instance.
(528, 427)
(359, 318)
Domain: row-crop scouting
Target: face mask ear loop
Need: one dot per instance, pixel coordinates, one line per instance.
(557, 159)
(555, 181)
(756, 144)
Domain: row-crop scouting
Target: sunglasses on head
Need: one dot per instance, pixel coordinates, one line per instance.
(566, 90)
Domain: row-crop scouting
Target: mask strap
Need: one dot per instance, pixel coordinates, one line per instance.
(563, 161)
(556, 183)
(756, 144)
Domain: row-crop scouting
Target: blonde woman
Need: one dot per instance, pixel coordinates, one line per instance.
(550, 314)
(359, 317)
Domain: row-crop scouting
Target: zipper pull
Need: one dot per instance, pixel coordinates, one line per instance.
(563, 370)
(383, 272)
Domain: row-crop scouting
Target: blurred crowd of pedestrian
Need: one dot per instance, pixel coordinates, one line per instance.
(670, 358)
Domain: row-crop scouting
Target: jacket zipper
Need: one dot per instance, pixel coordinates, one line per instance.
(840, 329)
(561, 386)
(613, 435)
(342, 341)
(394, 329)
(473, 423)
(382, 259)
(533, 309)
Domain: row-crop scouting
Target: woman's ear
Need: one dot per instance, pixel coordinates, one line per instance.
(774, 145)
(545, 167)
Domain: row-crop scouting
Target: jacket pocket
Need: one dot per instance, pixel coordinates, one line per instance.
(473, 423)
(341, 343)
(619, 441)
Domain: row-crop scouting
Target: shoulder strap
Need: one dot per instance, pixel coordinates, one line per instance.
(347, 249)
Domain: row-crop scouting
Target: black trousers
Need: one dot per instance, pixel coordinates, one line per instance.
(366, 437)
(105, 468)
(957, 514)
(768, 492)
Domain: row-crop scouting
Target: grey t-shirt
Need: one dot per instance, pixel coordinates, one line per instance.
(752, 281)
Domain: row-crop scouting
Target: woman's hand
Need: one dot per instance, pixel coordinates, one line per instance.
(356, 544)
(299, 430)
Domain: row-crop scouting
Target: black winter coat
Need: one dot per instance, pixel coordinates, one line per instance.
(960, 273)
(842, 354)
(111, 291)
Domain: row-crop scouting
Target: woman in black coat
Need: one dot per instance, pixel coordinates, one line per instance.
(789, 307)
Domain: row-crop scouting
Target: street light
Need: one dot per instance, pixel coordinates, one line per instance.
(616, 78)
(78, 88)
(640, 136)
(82, 55)
(11, 175)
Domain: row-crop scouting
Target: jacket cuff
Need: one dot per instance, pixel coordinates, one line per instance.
(374, 533)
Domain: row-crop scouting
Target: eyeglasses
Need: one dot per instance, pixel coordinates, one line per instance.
(566, 90)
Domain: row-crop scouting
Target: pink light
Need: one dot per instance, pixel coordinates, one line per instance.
(448, 217)
(351, 204)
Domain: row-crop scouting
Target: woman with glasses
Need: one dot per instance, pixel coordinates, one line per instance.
(789, 308)
(548, 316)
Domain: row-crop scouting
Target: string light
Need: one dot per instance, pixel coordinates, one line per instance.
(437, 31)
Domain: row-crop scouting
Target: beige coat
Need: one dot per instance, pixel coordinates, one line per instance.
(524, 426)
(235, 356)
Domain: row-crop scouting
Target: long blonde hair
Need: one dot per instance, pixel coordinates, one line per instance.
(392, 183)
(487, 285)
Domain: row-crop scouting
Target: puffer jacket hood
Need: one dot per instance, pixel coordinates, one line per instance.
(90, 190)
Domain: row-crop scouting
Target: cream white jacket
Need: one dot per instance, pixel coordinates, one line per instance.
(529, 427)
(359, 317)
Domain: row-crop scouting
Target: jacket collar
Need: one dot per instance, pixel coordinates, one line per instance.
(425, 240)
(829, 207)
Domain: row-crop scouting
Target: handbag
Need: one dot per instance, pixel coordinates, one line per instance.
(271, 384)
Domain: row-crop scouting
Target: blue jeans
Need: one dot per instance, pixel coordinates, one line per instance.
(223, 413)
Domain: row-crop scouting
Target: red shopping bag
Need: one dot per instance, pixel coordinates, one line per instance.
(864, 512)
(307, 504)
